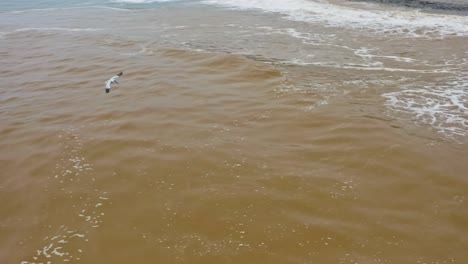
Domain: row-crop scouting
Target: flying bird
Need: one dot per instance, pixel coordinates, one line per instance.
(111, 81)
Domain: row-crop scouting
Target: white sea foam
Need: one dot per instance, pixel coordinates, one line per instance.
(55, 252)
(59, 29)
(360, 67)
(65, 8)
(32, 10)
(412, 23)
(444, 107)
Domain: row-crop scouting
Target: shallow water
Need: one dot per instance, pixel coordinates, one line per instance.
(241, 131)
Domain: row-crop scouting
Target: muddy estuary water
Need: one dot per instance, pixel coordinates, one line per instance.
(286, 131)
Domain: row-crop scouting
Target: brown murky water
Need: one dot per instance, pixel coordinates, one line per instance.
(232, 138)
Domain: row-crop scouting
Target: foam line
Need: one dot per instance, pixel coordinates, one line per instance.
(59, 29)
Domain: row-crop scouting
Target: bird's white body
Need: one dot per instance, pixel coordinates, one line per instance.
(111, 81)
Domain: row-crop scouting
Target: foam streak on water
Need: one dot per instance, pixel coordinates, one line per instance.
(64, 243)
(443, 106)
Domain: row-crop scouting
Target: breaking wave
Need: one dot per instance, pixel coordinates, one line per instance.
(410, 22)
